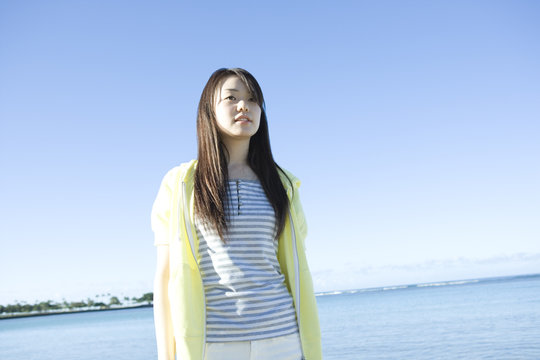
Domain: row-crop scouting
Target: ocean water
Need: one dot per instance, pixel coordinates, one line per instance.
(496, 318)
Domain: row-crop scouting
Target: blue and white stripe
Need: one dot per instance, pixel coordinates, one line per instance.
(246, 297)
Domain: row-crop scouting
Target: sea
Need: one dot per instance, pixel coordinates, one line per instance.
(494, 318)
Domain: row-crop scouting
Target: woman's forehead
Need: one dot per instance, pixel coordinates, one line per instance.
(233, 83)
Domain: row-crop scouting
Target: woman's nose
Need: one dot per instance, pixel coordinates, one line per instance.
(242, 106)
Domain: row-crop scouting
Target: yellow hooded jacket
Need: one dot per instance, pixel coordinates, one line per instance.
(172, 223)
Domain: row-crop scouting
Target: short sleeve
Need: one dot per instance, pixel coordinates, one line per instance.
(161, 211)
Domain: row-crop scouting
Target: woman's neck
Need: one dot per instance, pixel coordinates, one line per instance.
(238, 152)
(237, 165)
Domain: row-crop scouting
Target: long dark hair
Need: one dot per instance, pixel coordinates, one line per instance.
(211, 174)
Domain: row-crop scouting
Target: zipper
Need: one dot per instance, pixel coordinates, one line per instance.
(296, 271)
(192, 245)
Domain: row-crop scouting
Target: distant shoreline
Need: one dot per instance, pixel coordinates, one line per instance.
(46, 313)
(403, 287)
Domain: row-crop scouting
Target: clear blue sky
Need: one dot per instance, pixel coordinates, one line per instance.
(413, 125)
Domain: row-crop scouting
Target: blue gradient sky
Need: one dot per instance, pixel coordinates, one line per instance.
(413, 125)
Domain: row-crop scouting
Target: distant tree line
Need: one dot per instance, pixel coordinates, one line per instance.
(51, 306)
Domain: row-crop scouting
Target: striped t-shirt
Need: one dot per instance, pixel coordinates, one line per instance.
(246, 297)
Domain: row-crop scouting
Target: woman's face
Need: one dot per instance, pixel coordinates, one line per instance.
(237, 113)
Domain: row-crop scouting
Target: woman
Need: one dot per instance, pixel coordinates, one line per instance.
(232, 280)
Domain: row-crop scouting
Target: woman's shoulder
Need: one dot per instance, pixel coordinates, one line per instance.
(287, 175)
(178, 171)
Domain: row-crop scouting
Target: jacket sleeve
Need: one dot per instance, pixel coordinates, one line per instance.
(300, 216)
(161, 210)
(301, 225)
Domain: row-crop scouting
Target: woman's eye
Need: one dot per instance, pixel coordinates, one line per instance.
(230, 97)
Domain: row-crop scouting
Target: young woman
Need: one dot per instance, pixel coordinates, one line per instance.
(232, 280)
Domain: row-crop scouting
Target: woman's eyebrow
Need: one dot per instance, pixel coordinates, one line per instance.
(231, 90)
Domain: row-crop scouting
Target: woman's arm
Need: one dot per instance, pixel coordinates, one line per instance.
(162, 311)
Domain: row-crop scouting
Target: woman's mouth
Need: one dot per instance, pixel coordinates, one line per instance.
(242, 118)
